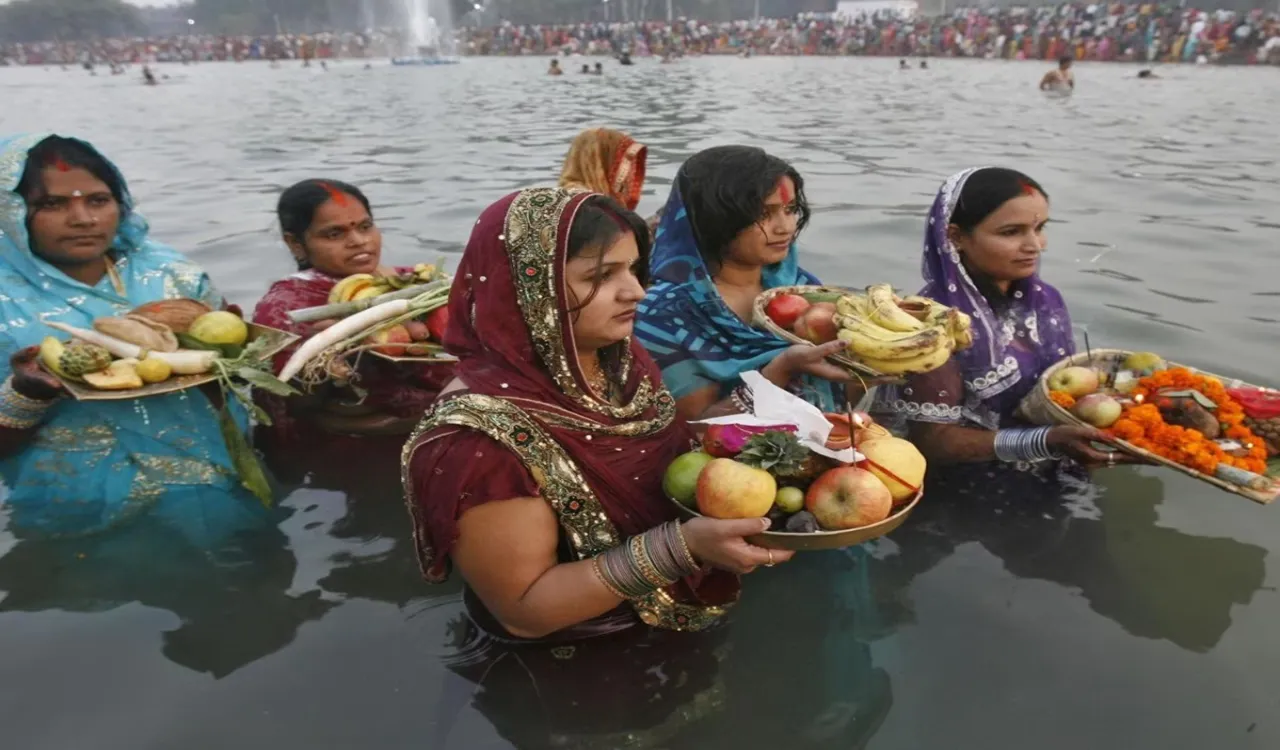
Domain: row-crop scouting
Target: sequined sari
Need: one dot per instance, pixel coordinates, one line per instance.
(529, 425)
(94, 464)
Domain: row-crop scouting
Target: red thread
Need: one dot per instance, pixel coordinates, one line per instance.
(335, 195)
(892, 476)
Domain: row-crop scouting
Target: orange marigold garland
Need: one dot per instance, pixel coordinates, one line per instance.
(1141, 425)
(1063, 399)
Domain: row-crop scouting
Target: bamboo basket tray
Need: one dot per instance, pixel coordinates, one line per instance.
(761, 320)
(280, 340)
(818, 540)
(1038, 408)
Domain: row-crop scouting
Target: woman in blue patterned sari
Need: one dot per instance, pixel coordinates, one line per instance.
(728, 232)
(72, 249)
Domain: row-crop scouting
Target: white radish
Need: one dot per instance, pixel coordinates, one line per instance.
(182, 362)
(339, 332)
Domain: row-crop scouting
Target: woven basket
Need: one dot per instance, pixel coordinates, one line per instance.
(1038, 408)
(761, 320)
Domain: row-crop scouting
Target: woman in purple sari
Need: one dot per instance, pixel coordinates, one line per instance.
(982, 255)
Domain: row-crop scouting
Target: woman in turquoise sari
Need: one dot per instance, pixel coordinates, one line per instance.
(727, 233)
(72, 249)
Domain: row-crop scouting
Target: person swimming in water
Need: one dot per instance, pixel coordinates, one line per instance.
(902, 64)
(1147, 73)
(1061, 78)
(586, 70)
(148, 77)
(924, 64)
(599, 69)
(555, 70)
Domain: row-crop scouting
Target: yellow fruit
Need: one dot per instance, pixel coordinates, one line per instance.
(218, 328)
(369, 292)
(120, 376)
(888, 456)
(153, 370)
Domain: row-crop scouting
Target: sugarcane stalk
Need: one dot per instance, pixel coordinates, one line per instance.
(346, 309)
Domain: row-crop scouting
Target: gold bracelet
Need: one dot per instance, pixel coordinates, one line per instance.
(640, 555)
(684, 547)
(595, 565)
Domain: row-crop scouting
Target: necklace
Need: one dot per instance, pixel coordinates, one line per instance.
(598, 380)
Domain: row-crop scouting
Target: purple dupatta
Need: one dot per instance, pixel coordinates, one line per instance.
(1012, 345)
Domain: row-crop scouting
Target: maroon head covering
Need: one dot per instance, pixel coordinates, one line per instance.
(508, 326)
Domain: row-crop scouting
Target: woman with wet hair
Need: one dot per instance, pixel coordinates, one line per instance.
(983, 243)
(73, 249)
(728, 232)
(330, 231)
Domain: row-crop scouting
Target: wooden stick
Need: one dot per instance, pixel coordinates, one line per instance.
(345, 309)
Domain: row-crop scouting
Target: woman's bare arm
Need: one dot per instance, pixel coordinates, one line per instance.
(953, 444)
(506, 551)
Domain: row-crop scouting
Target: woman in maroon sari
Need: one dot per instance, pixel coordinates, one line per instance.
(542, 464)
(330, 231)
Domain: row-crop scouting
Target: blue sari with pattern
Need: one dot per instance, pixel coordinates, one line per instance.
(692, 334)
(93, 464)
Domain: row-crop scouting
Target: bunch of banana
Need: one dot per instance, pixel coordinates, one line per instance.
(900, 336)
(366, 285)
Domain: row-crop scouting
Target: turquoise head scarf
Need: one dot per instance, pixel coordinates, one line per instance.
(92, 464)
(692, 334)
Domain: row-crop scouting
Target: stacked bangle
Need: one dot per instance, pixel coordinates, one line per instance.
(645, 562)
(1026, 444)
(19, 412)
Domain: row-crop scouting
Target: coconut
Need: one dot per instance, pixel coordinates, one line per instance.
(898, 464)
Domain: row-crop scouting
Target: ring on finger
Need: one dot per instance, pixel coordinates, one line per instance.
(1111, 459)
(770, 563)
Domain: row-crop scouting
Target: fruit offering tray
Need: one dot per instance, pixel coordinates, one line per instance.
(820, 540)
(887, 337)
(1174, 415)
(274, 342)
(824, 481)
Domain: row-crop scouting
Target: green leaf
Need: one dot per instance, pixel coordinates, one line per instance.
(186, 341)
(1273, 468)
(244, 459)
(231, 351)
(267, 382)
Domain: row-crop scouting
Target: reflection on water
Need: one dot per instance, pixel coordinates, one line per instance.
(1010, 619)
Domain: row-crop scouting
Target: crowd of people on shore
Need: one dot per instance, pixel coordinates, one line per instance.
(1145, 33)
(1119, 32)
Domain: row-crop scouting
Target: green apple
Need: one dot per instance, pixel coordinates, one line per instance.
(681, 480)
(789, 500)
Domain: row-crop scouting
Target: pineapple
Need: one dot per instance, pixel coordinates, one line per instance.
(781, 454)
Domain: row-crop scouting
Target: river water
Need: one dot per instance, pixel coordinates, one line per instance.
(1139, 613)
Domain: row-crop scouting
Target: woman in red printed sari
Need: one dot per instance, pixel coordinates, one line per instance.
(606, 161)
(330, 231)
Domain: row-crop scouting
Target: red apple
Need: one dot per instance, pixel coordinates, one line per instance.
(391, 341)
(417, 330)
(817, 324)
(785, 309)
(438, 323)
(848, 498)
(728, 489)
(1098, 409)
